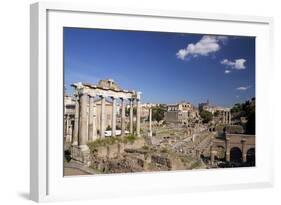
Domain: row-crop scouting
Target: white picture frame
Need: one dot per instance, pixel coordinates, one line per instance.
(46, 156)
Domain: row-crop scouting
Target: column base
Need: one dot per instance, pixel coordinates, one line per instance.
(74, 143)
(81, 153)
(68, 138)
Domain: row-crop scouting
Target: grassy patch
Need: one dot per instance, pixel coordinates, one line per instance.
(195, 165)
(110, 141)
(103, 142)
(164, 150)
(129, 138)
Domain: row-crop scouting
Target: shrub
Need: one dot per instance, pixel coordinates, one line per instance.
(234, 129)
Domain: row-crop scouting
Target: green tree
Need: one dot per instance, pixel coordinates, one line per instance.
(216, 114)
(158, 113)
(247, 110)
(251, 123)
(206, 116)
(127, 111)
(108, 128)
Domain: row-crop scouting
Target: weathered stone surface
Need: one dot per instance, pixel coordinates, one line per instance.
(164, 161)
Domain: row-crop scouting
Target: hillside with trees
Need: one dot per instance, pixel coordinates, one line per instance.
(245, 115)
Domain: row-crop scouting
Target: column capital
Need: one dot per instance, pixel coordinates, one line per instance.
(243, 140)
(91, 96)
(82, 94)
(113, 97)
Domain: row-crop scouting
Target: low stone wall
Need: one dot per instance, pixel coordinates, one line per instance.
(114, 150)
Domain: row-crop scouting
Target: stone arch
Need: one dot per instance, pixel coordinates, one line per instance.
(235, 154)
(251, 156)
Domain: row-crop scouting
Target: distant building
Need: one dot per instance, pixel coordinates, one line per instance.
(211, 108)
(223, 116)
(180, 113)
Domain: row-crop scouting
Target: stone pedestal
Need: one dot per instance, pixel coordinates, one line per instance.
(81, 153)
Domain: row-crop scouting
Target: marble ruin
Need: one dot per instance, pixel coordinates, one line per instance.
(95, 107)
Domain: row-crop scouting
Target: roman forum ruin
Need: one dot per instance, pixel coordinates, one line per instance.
(108, 130)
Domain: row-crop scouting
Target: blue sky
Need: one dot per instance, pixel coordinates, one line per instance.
(165, 67)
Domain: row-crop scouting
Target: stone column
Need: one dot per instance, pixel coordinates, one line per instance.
(113, 121)
(244, 150)
(226, 118)
(150, 119)
(138, 118)
(123, 117)
(131, 116)
(94, 121)
(213, 154)
(67, 129)
(90, 120)
(227, 148)
(102, 117)
(83, 138)
(230, 117)
(76, 123)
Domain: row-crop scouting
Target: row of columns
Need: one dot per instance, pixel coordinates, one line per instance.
(226, 117)
(84, 121)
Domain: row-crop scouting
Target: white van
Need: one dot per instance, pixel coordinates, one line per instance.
(117, 133)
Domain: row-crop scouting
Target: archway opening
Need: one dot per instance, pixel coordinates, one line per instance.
(236, 155)
(251, 156)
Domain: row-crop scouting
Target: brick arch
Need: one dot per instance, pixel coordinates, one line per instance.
(236, 154)
(230, 141)
(251, 156)
(236, 145)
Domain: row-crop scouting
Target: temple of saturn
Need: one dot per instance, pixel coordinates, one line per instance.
(85, 120)
(226, 117)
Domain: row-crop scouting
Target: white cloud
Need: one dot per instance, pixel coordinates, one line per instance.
(243, 88)
(206, 45)
(227, 71)
(238, 64)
